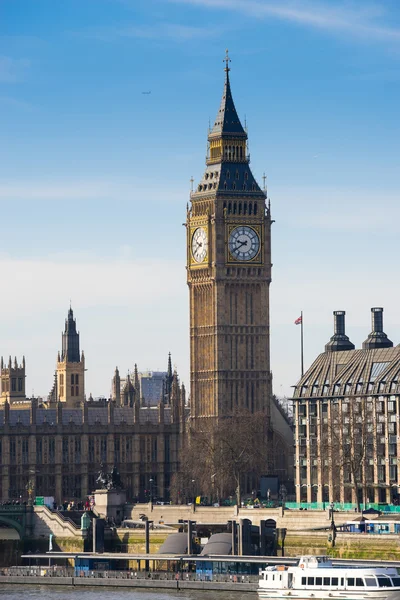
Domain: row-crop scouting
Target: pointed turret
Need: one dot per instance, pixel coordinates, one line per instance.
(116, 384)
(137, 383)
(227, 121)
(228, 170)
(70, 340)
(169, 379)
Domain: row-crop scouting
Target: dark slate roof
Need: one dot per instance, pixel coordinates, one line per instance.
(352, 372)
(22, 417)
(46, 415)
(230, 179)
(123, 414)
(175, 543)
(227, 120)
(72, 415)
(98, 415)
(219, 543)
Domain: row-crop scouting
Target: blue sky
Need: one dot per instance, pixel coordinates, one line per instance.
(95, 175)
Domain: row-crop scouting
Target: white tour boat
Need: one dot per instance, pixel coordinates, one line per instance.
(315, 577)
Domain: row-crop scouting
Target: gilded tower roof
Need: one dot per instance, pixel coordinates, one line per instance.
(228, 170)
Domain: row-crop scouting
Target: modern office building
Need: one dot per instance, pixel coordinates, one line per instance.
(347, 412)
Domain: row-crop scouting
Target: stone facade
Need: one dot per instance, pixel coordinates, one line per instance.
(228, 273)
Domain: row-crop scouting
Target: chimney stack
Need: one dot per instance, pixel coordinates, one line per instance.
(377, 338)
(339, 341)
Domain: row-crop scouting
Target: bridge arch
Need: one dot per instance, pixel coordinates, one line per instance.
(12, 524)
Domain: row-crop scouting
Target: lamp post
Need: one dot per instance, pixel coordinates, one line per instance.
(151, 490)
(193, 496)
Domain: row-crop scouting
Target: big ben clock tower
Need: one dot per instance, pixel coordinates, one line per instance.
(229, 272)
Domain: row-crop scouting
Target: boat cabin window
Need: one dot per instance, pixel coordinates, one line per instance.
(335, 581)
(359, 582)
(350, 581)
(318, 581)
(370, 581)
(310, 580)
(327, 581)
(342, 581)
(384, 581)
(304, 581)
(396, 581)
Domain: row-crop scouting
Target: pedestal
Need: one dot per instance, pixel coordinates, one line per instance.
(109, 504)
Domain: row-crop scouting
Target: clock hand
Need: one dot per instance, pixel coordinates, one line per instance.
(241, 244)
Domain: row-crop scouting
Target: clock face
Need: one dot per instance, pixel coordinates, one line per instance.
(199, 245)
(244, 243)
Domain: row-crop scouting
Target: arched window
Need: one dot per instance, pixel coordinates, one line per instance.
(225, 186)
(245, 208)
(234, 186)
(234, 208)
(228, 175)
(246, 175)
(255, 208)
(230, 207)
(240, 208)
(244, 186)
(250, 208)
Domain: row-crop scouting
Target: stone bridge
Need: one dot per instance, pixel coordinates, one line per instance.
(17, 516)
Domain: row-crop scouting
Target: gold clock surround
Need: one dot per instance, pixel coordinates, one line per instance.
(258, 258)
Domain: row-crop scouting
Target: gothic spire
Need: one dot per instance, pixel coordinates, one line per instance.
(227, 121)
(70, 340)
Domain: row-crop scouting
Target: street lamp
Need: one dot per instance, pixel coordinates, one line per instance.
(193, 496)
(151, 490)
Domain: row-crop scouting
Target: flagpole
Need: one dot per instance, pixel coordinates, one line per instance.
(302, 353)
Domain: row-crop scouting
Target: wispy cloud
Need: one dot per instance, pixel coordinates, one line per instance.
(357, 19)
(12, 69)
(157, 31)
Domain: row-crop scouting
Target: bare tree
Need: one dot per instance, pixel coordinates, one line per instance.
(350, 445)
(225, 456)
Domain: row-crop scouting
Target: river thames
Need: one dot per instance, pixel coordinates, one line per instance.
(27, 592)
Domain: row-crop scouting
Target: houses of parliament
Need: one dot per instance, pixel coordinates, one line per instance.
(58, 444)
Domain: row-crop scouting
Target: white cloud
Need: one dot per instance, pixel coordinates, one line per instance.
(358, 19)
(12, 69)
(157, 31)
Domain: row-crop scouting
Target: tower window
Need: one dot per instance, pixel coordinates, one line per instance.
(234, 186)
(13, 384)
(211, 175)
(230, 207)
(250, 208)
(255, 208)
(237, 175)
(76, 390)
(245, 208)
(234, 207)
(20, 384)
(72, 379)
(240, 208)
(200, 188)
(72, 390)
(246, 175)
(253, 187)
(225, 186)
(228, 175)
(244, 186)
(77, 379)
